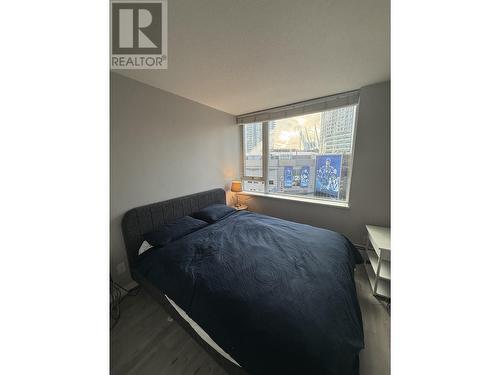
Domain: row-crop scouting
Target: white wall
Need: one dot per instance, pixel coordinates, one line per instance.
(163, 146)
(370, 183)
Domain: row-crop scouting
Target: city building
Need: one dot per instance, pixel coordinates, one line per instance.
(253, 136)
(336, 130)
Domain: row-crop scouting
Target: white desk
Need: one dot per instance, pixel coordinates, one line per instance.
(378, 267)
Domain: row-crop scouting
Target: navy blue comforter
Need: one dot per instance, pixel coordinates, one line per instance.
(278, 296)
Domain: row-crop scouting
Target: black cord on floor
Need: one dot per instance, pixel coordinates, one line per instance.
(116, 291)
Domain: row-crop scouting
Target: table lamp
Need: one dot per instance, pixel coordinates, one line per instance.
(236, 188)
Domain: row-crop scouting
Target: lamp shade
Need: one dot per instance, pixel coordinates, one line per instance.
(236, 186)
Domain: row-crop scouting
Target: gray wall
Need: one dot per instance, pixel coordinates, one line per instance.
(370, 183)
(163, 146)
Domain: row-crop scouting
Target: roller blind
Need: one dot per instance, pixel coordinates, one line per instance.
(303, 108)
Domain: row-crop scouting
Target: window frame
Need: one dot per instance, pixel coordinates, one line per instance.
(292, 197)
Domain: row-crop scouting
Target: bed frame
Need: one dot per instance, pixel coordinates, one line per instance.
(140, 220)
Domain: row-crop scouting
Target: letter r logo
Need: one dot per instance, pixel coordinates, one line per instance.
(136, 28)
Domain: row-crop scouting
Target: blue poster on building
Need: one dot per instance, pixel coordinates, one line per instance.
(288, 176)
(328, 170)
(304, 177)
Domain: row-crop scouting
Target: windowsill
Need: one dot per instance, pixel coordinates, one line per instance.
(295, 198)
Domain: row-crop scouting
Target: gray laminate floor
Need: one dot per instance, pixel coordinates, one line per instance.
(145, 342)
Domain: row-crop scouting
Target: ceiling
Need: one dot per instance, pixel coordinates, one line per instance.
(241, 56)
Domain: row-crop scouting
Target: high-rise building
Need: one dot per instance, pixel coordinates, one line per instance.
(253, 136)
(336, 130)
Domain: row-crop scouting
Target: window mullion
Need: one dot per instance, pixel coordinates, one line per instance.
(265, 154)
(243, 152)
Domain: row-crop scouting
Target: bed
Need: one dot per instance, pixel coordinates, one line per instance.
(261, 295)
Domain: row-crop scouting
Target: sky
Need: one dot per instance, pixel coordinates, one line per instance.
(286, 134)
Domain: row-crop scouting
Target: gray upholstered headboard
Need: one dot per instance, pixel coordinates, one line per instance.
(141, 220)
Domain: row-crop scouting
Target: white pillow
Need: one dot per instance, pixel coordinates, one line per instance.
(144, 247)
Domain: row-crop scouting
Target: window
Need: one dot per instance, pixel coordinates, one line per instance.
(308, 156)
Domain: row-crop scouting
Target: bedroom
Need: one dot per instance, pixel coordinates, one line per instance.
(235, 210)
(305, 151)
